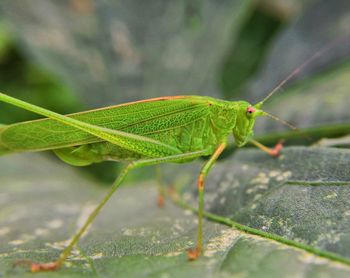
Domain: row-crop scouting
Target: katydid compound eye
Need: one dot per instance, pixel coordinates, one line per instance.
(251, 110)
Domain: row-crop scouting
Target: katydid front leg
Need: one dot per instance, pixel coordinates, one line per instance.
(196, 252)
(275, 151)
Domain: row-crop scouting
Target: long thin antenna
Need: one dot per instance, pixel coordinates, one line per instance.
(287, 124)
(281, 121)
(298, 69)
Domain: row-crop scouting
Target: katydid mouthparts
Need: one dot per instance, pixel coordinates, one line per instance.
(174, 129)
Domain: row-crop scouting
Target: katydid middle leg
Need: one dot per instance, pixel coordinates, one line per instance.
(161, 189)
(50, 266)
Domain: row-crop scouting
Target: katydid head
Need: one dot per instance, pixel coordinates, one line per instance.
(247, 113)
(245, 121)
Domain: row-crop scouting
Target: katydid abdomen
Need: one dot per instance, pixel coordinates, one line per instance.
(188, 123)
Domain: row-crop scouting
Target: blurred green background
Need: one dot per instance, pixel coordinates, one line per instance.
(73, 55)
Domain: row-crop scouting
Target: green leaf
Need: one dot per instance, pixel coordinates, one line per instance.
(303, 195)
(42, 205)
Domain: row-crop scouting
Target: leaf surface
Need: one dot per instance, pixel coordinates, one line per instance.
(132, 237)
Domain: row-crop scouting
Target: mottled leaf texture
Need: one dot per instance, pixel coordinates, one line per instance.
(43, 202)
(303, 195)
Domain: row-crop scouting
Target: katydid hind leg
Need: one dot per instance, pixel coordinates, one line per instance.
(51, 266)
(196, 252)
(163, 189)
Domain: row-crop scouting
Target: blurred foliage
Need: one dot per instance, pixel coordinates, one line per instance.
(117, 51)
(252, 41)
(318, 106)
(28, 81)
(320, 27)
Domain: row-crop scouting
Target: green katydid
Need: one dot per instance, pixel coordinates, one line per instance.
(175, 129)
(167, 129)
